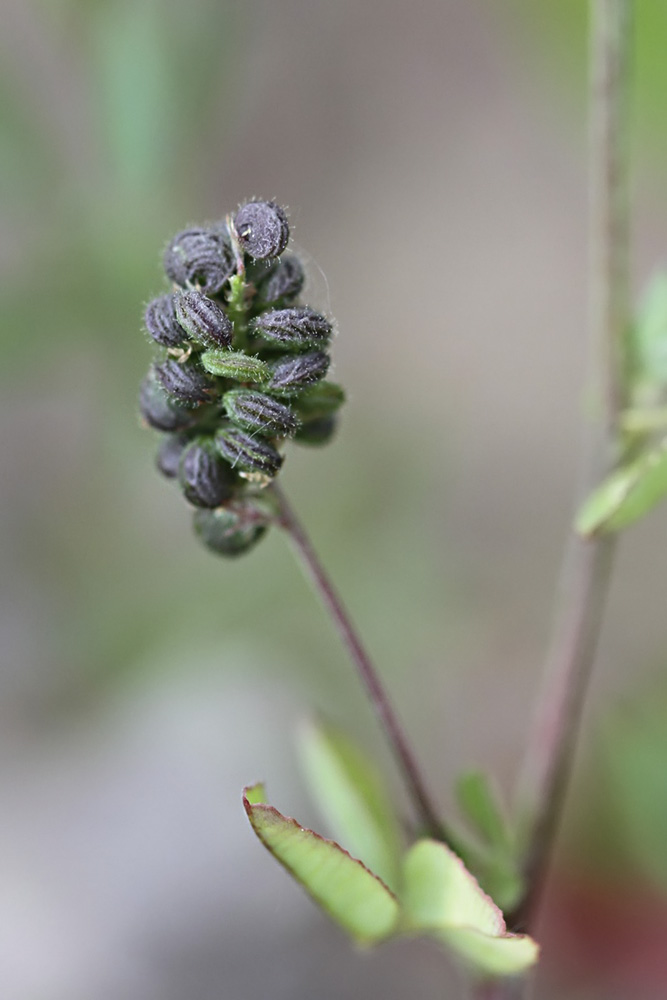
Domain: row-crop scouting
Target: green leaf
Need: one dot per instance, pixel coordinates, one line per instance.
(650, 334)
(442, 899)
(352, 797)
(234, 364)
(479, 803)
(341, 885)
(626, 495)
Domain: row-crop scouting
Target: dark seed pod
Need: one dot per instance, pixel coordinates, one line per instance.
(262, 229)
(292, 375)
(161, 322)
(227, 532)
(201, 256)
(285, 281)
(186, 382)
(318, 431)
(169, 454)
(159, 410)
(236, 365)
(323, 399)
(206, 480)
(249, 454)
(203, 319)
(255, 411)
(294, 329)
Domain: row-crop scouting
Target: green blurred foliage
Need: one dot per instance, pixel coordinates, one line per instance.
(624, 828)
(553, 38)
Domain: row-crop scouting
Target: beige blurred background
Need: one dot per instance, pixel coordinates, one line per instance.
(432, 156)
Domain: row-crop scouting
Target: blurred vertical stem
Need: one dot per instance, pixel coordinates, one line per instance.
(588, 564)
(288, 520)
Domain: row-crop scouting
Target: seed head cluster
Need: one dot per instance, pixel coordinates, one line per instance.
(242, 367)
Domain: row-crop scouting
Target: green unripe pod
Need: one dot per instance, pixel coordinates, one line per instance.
(247, 453)
(319, 401)
(227, 531)
(255, 411)
(236, 365)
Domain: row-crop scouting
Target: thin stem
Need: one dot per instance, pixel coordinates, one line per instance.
(370, 678)
(587, 569)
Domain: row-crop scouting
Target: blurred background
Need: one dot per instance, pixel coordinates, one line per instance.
(432, 156)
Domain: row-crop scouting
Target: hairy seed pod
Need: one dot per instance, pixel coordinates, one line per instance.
(284, 282)
(203, 319)
(227, 532)
(318, 431)
(206, 480)
(259, 413)
(186, 382)
(169, 454)
(201, 256)
(262, 229)
(294, 329)
(290, 376)
(159, 410)
(236, 365)
(246, 453)
(319, 401)
(160, 321)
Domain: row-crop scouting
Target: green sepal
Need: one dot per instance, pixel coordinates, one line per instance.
(340, 885)
(235, 364)
(351, 795)
(626, 494)
(321, 400)
(442, 899)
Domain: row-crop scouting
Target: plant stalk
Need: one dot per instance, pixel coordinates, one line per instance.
(288, 520)
(588, 564)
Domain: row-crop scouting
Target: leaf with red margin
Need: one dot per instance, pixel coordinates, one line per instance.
(442, 899)
(341, 885)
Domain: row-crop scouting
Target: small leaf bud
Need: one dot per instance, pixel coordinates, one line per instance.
(159, 410)
(294, 329)
(169, 454)
(227, 532)
(285, 281)
(203, 319)
(318, 431)
(236, 365)
(200, 256)
(319, 401)
(161, 322)
(206, 480)
(255, 411)
(186, 382)
(293, 375)
(262, 229)
(249, 454)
